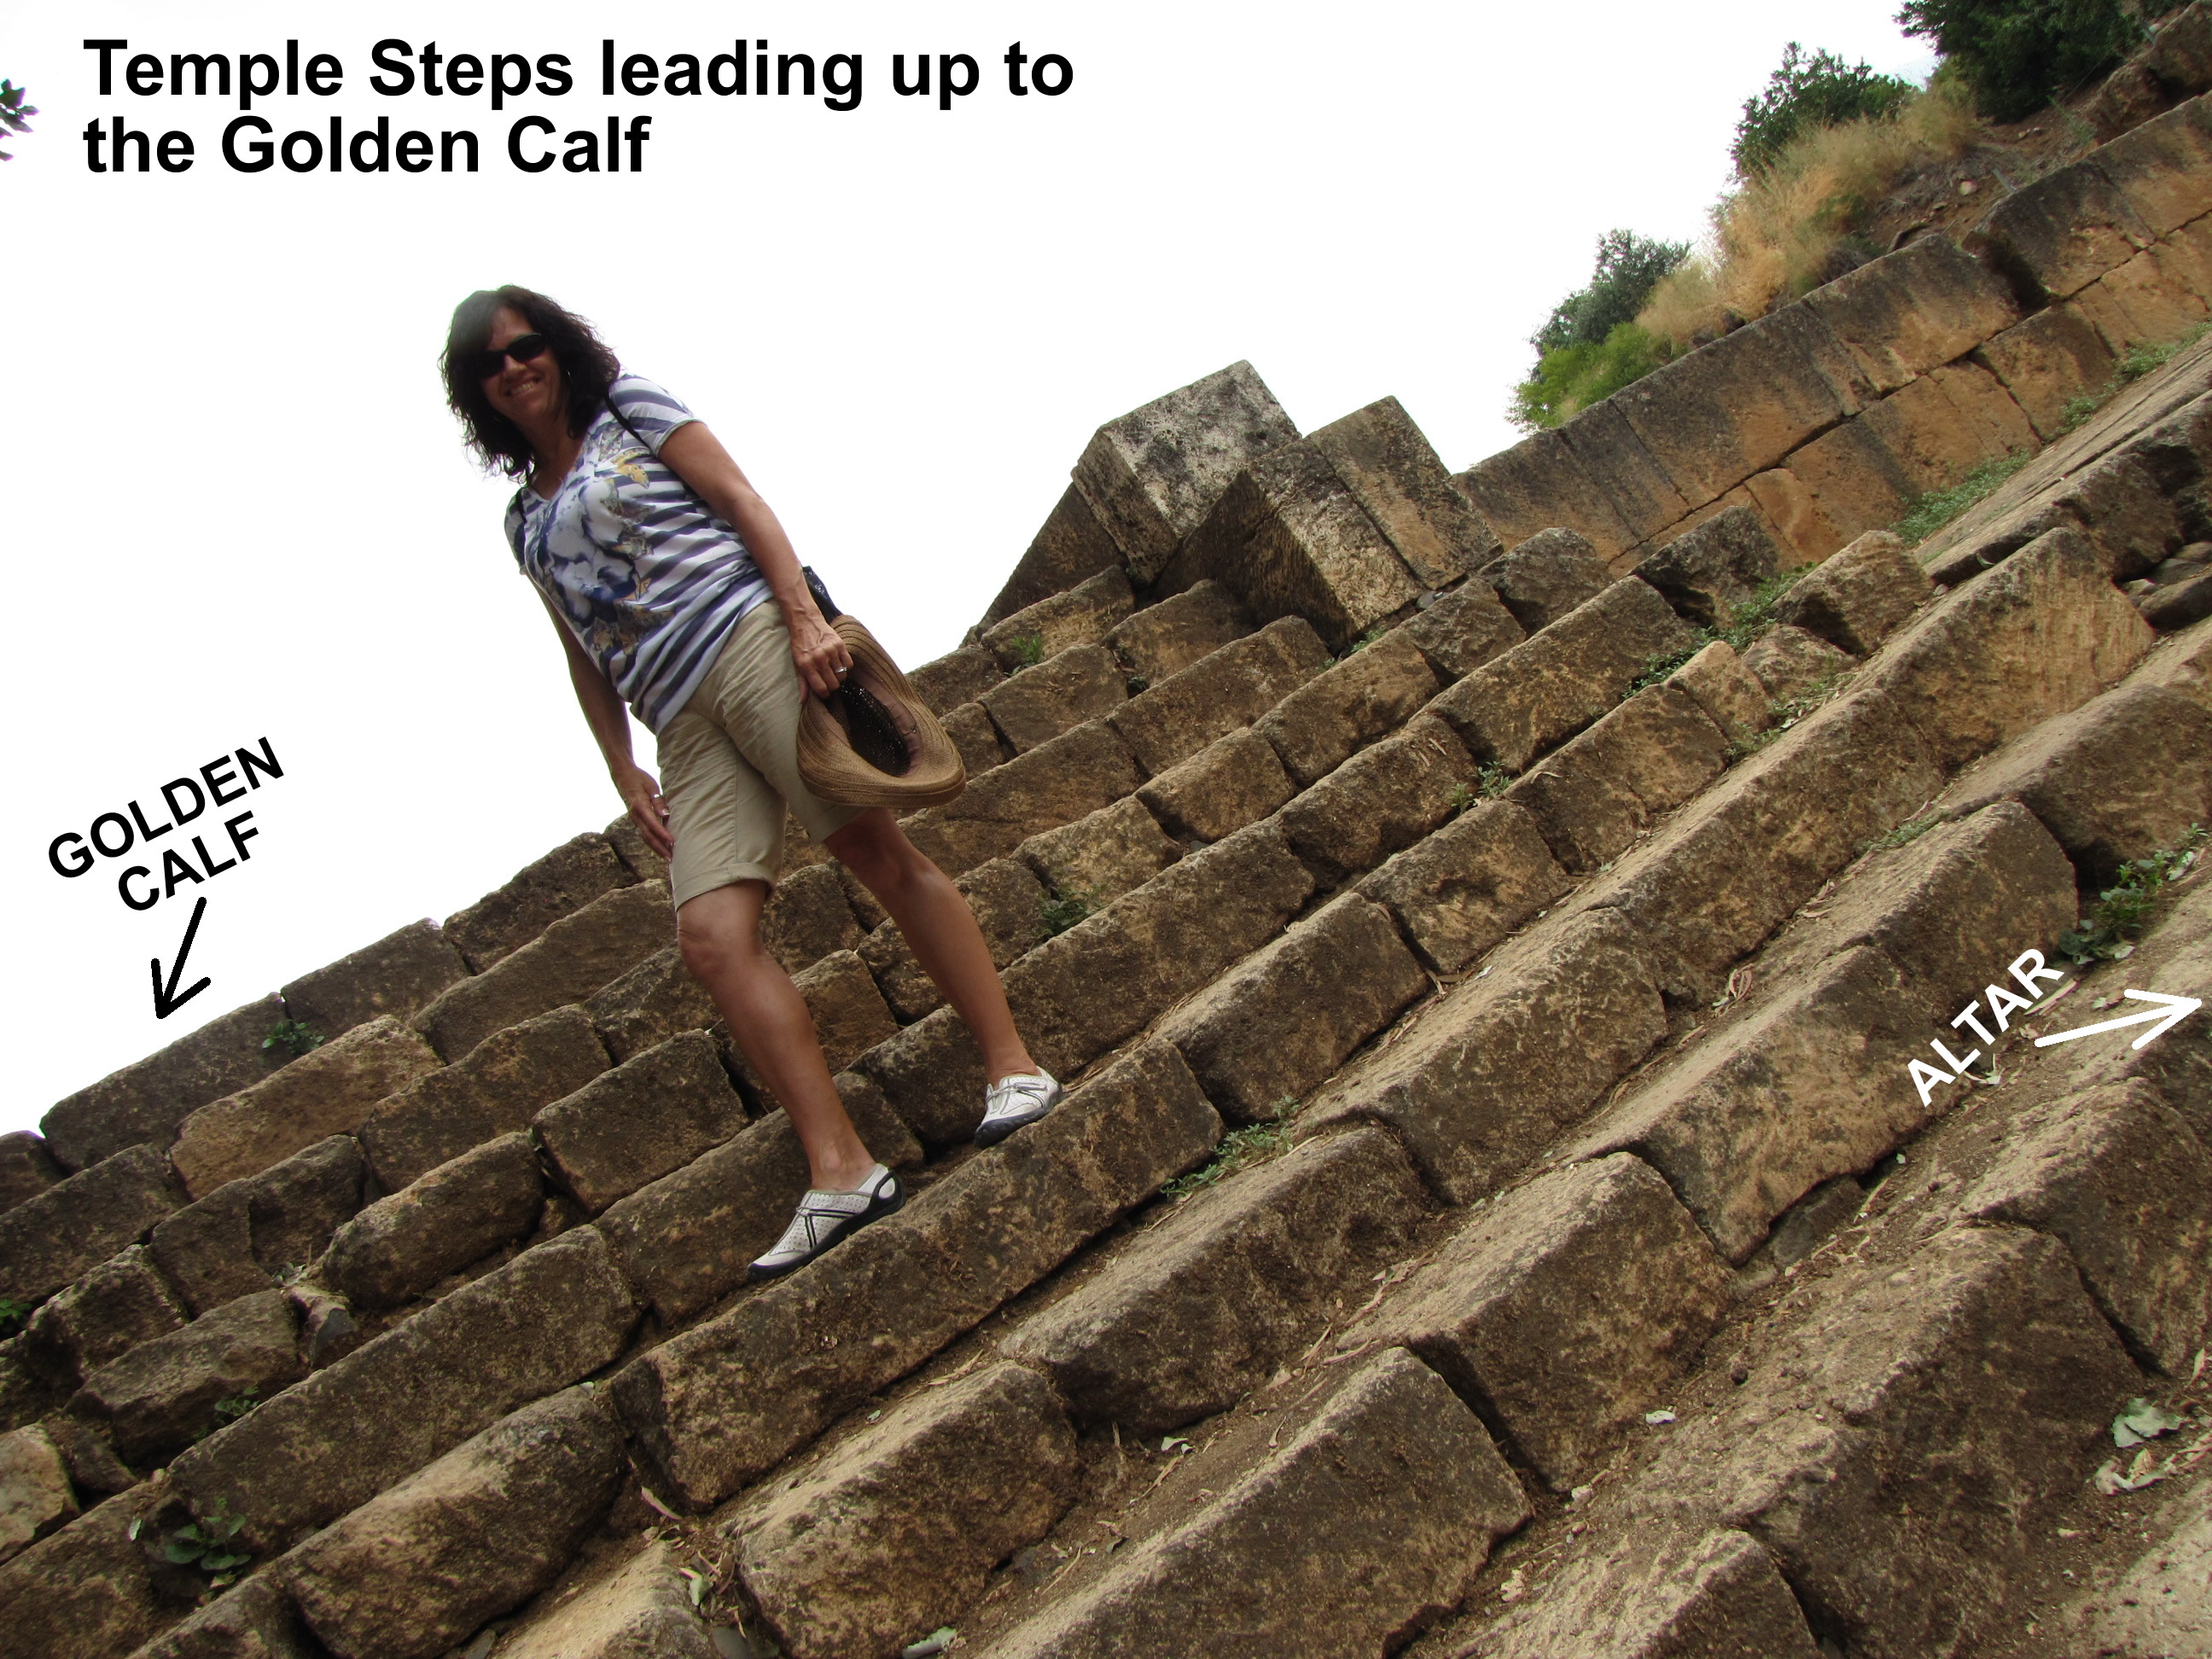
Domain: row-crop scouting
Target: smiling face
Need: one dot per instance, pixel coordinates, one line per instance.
(530, 394)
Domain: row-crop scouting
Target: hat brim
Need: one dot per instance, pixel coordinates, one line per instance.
(935, 773)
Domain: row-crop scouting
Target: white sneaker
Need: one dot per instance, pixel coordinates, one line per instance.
(1013, 1101)
(825, 1217)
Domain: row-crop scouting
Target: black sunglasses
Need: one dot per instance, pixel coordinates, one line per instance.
(522, 347)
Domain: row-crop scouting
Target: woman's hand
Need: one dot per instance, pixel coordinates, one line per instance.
(640, 792)
(816, 648)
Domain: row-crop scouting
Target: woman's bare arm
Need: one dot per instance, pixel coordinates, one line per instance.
(697, 456)
(609, 722)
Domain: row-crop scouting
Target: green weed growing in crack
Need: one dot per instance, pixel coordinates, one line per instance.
(292, 1034)
(1905, 834)
(1240, 1149)
(1026, 649)
(1064, 910)
(208, 1545)
(1929, 513)
(12, 1314)
(2110, 929)
(2133, 365)
(1491, 780)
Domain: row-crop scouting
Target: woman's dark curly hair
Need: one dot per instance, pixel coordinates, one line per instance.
(587, 369)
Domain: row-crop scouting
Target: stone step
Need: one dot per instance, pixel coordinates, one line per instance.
(631, 1602)
(1369, 1518)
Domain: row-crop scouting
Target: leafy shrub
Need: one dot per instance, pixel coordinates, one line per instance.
(1805, 93)
(2016, 56)
(2109, 929)
(14, 114)
(1060, 913)
(1571, 378)
(292, 1034)
(1628, 267)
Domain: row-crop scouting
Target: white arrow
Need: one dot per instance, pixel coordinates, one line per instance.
(2175, 1009)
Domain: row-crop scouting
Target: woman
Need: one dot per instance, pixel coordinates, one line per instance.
(673, 588)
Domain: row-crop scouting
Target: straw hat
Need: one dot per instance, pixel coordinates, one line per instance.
(872, 742)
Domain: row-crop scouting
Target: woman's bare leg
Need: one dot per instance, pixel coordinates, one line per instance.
(933, 916)
(719, 933)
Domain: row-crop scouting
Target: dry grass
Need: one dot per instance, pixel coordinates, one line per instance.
(1778, 235)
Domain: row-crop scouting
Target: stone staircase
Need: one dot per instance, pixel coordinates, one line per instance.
(1511, 982)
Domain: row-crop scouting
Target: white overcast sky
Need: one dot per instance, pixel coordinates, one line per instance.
(240, 509)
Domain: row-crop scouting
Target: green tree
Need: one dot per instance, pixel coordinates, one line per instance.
(2016, 56)
(1628, 268)
(14, 114)
(1805, 93)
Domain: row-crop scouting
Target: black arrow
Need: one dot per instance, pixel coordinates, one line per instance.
(166, 999)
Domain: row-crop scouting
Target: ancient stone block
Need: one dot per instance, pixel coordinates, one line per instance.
(1549, 687)
(1102, 855)
(1614, 457)
(1080, 992)
(1479, 1086)
(1036, 705)
(2117, 1174)
(957, 676)
(894, 1532)
(2160, 168)
(684, 1241)
(76, 1224)
(807, 917)
(978, 741)
(253, 1619)
(120, 1303)
(2130, 522)
(719, 1405)
(1907, 312)
(161, 1395)
(2056, 235)
(487, 1525)
(556, 1313)
(1789, 662)
(848, 1011)
(145, 1101)
(2129, 96)
(2180, 55)
(658, 998)
(404, 1244)
(2127, 774)
(1068, 548)
(1593, 795)
(2047, 362)
(1151, 477)
(1567, 1307)
(1849, 481)
(1714, 1593)
(1055, 783)
(1388, 466)
(1711, 419)
(1537, 484)
(559, 884)
(648, 1115)
(1234, 781)
(1464, 629)
(1729, 693)
(1715, 570)
(1233, 687)
(1290, 539)
(1385, 798)
(2150, 300)
(2041, 634)
(1812, 1086)
(34, 1490)
(1282, 1020)
(2178, 606)
(248, 1232)
(27, 1168)
(329, 1091)
(1463, 889)
(88, 1591)
(1166, 638)
(630, 847)
(1546, 577)
(1324, 1548)
(572, 958)
(641, 1608)
(1788, 504)
(496, 1090)
(1370, 694)
(1212, 1300)
(1951, 1405)
(395, 975)
(1007, 901)
(1859, 597)
(1084, 614)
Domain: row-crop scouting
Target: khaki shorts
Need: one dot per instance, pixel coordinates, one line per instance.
(729, 763)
